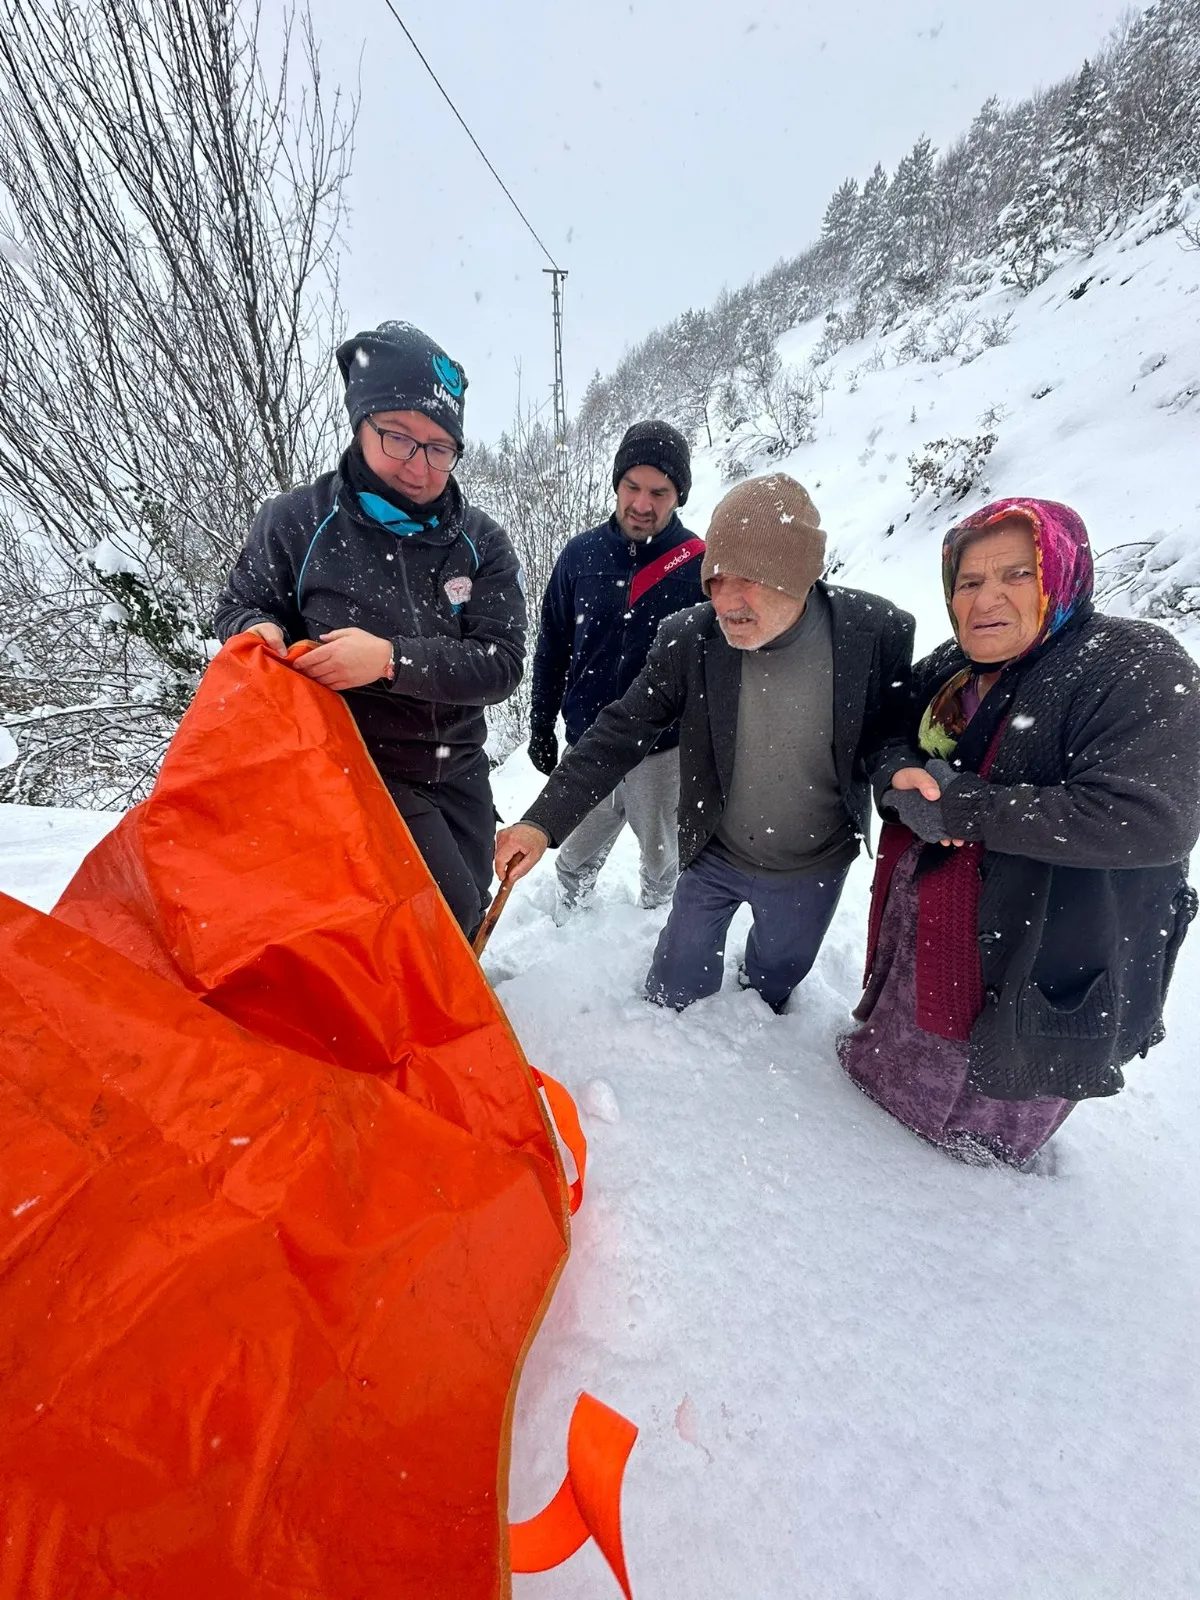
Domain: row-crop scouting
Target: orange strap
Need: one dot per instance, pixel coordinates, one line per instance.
(588, 1503)
(566, 1120)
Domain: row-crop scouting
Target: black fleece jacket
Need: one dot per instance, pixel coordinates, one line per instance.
(450, 598)
(1087, 817)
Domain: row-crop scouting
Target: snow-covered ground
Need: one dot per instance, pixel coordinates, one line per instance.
(861, 1370)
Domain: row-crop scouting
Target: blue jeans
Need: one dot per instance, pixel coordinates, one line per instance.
(791, 916)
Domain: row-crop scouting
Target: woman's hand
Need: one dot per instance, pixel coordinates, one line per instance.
(347, 658)
(915, 796)
(272, 636)
(920, 780)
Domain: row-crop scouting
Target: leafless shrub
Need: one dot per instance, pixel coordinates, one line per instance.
(541, 496)
(912, 346)
(995, 331)
(168, 299)
(950, 334)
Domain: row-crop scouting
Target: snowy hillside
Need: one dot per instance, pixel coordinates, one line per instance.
(861, 1370)
(1094, 399)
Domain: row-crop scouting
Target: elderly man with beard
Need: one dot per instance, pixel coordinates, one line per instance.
(785, 689)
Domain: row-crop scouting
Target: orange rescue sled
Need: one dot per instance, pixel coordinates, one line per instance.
(280, 1205)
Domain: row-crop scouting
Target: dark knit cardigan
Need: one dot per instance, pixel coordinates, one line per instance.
(1087, 817)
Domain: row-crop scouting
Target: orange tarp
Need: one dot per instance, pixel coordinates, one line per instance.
(280, 1207)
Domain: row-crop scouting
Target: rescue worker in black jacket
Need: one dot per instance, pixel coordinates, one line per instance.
(610, 588)
(415, 595)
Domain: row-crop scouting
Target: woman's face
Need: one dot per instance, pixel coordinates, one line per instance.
(996, 601)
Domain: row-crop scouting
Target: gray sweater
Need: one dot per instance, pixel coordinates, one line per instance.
(694, 677)
(785, 814)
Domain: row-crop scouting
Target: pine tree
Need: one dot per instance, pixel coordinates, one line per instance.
(872, 235)
(972, 186)
(1187, 128)
(1077, 148)
(705, 351)
(1154, 101)
(911, 212)
(838, 228)
(1032, 229)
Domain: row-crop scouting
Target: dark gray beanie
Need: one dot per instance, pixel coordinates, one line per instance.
(656, 444)
(396, 367)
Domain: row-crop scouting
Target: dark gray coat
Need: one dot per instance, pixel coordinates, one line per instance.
(315, 561)
(692, 674)
(1087, 816)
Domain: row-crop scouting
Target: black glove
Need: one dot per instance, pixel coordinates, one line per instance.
(942, 773)
(920, 816)
(543, 749)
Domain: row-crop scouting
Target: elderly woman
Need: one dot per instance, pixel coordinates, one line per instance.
(1030, 895)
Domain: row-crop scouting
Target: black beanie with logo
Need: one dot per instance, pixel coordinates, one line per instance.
(396, 367)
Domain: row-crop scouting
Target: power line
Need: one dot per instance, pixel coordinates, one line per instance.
(471, 136)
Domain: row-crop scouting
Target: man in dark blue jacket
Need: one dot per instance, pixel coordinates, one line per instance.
(416, 596)
(610, 589)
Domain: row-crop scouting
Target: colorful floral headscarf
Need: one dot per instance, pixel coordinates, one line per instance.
(1064, 576)
(1064, 556)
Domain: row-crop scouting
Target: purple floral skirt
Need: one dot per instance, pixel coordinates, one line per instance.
(917, 1076)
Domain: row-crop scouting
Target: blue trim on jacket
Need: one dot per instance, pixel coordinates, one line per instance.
(321, 526)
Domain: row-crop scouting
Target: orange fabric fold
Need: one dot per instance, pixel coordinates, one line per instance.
(570, 1131)
(588, 1502)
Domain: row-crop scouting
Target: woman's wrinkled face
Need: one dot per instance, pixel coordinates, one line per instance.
(997, 604)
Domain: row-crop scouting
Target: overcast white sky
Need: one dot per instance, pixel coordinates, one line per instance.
(660, 150)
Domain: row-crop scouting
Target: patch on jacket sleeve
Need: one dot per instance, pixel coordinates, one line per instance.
(458, 592)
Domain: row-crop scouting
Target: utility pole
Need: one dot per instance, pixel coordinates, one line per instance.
(556, 272)
(560, 399)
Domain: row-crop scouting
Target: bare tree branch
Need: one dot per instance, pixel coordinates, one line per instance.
(169, 224)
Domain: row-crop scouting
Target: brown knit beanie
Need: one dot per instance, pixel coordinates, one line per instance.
(767, 530)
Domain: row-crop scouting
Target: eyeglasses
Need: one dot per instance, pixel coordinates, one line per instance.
(441, 457)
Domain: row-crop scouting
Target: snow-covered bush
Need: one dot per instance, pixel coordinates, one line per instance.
(912, 345)
(950, 467)
(995, 331)
(779, 412)
(950, 334)
(1156, 578)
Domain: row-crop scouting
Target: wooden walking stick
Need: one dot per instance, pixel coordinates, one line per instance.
(484, 932)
